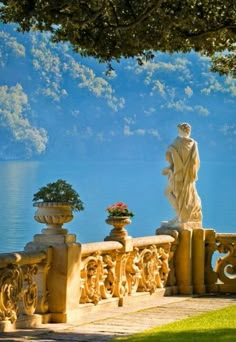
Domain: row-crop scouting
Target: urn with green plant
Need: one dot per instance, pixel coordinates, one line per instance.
(56, 203)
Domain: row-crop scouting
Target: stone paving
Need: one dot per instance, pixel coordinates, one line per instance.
(124, 321)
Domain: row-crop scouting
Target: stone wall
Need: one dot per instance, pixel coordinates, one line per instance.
(57, 279)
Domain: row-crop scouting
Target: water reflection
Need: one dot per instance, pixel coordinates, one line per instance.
(16, 178)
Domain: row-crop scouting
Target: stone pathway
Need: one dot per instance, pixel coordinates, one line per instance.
(124, 322)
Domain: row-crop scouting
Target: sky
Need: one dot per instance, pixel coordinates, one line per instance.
(53, 102)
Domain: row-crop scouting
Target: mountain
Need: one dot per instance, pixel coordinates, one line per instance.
(56, 104)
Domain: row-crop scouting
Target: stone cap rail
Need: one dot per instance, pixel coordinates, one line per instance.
(152, 240)
(22, 258)
(226, 236)
(92, 247)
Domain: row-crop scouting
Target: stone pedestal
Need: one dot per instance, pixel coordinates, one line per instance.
(189, 258)
(182, 257)
(119, 233)
(42, 241)
(62, 281)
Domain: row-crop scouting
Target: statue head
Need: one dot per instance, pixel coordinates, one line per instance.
(184, 129)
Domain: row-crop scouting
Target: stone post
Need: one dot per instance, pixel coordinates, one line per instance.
(63, 279)
(182, 256)
(183, 262)
(198, 261)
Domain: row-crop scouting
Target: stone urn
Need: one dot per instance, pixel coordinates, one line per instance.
(118, 222)
(54, 215)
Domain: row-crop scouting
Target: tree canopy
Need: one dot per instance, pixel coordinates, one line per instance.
(112, 29)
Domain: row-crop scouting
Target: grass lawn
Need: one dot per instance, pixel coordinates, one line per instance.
(214, 326)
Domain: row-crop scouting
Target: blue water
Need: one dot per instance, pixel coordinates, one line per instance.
(139, 184)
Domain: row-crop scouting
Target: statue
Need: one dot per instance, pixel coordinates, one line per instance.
(183, 158)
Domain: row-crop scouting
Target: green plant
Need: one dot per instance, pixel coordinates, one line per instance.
(59, 191)
(119, 209)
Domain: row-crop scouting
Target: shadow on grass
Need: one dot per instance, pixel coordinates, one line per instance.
(49, 336)
(217, 335)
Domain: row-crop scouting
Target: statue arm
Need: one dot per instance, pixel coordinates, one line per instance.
(170, 168)
(166, 171)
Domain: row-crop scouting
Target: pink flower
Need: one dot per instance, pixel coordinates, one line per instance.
(119, 209)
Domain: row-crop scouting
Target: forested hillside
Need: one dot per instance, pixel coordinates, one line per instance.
(56, 104)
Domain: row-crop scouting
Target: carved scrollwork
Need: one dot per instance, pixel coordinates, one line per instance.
(11, 283)
(149, 268)
(91, 274)
(163, 256)
(118, 273)
(103, 276)
(97, 278)
(133, 273)
(226, 266)
(154, 268)
(121, 284)
(18, 291)
(108, 284)
(30, 291)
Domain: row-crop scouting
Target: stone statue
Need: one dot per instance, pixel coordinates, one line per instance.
(183, 158)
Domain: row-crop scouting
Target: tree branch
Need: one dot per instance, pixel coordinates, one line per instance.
(202, 34)
(149, 10)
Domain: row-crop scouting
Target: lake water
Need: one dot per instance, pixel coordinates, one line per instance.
(139, 184)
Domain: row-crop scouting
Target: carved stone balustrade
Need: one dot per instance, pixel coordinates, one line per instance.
(225, 267)
(19, 294)
(60, 280)
(109, 270)
(220, 269)
(153, 255)
(99, 276)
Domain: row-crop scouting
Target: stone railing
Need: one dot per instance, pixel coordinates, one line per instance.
(56, 282)
(19, 291)
(109, 270)
(205, 261)
(60, 279)
(220, 271)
